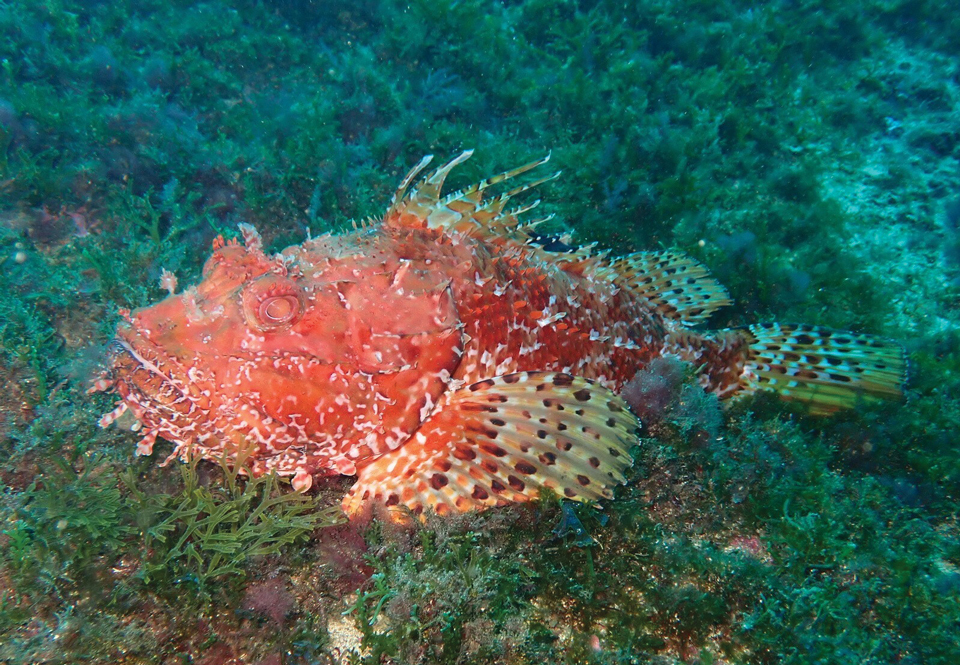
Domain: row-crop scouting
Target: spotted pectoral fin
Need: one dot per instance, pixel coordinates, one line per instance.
(504, 440)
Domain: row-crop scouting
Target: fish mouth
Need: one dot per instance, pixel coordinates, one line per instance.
(156, 392)
(123, 354)
(145, 375)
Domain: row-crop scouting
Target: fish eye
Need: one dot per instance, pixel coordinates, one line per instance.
(279, 309)
(272, 302)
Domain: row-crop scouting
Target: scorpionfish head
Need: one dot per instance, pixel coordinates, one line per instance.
(310, 362)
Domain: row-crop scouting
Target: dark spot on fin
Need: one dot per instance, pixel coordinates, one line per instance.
(826, 369)
(675, 285)
(513, 456)
(550, 242)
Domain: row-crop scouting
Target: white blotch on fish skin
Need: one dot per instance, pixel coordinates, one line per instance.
(551, 319)
(427, 408)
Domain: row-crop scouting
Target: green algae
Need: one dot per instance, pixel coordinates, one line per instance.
(453, 599)
(208, 532)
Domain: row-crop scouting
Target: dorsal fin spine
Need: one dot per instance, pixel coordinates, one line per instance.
(424, 207)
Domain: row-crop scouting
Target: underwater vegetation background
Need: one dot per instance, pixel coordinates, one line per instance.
(806, 152)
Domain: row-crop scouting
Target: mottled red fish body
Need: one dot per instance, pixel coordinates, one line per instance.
(446, 357)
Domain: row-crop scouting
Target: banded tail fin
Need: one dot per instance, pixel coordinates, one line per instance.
(828, 369)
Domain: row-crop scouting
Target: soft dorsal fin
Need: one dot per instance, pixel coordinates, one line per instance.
(676, 285)
(464, 210)
(506, 439)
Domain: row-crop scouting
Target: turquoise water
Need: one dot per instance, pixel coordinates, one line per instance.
(806, 153)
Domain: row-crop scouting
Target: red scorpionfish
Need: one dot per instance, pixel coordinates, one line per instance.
(447, 359)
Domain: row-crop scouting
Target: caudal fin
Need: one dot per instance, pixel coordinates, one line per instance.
(827, 369)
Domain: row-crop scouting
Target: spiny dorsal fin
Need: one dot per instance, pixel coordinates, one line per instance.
(827, 369)
(464, 210)
(505, 439)
(473, 192)
(676, 285)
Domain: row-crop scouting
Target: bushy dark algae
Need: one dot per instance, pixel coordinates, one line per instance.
(805, 152)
